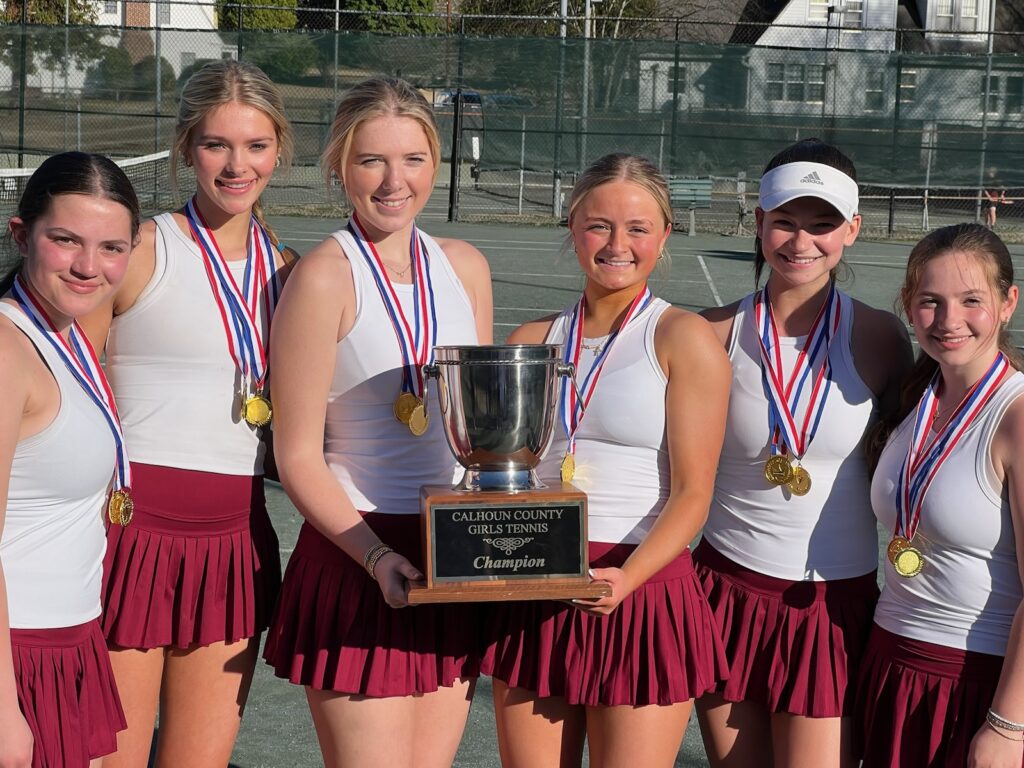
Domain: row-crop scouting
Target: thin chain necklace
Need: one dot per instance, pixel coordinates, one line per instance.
(399, 272)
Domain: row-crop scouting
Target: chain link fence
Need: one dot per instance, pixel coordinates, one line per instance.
(522, 110)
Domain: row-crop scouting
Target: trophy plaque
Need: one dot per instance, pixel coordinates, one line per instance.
(502, 534)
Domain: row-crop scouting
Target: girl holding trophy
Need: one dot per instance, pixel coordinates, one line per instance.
(638, 436)
(358, 433)
(790, 551)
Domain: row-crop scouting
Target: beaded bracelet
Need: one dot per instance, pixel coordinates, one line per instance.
(374, 554)
(999, 721)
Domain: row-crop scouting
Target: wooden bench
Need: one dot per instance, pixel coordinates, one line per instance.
(689, 193)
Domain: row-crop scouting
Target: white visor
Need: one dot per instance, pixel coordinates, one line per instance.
(793, 180)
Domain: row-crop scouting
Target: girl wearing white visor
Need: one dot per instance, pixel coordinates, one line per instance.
(790, 551)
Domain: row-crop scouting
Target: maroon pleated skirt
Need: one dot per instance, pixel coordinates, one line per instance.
(659, 646)
(333, 631)
(67, 694)
(920, 704)
(793, 646)
(199, 563)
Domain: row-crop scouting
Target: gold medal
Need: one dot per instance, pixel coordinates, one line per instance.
(800, 483)
(778, 470)
(120, 508)
(419, 420)
(897, 545)
(568, 468)
(256, 411)
(405, 403)
(908, 562)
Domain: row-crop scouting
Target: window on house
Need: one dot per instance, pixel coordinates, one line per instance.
(795, 82)
(816, 83)
(944, 8)
(853, 14)
(874, 90)
(163, 12)
(968, 16)
(1014, 95)
(908, 86)
(990, 99)
(110, 7)
(817, 10)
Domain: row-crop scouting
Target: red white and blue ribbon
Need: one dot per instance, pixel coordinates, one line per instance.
(572, 407)
(84, 365)
(416, 340)
(812, 367)
(924, 457)
(239, 307)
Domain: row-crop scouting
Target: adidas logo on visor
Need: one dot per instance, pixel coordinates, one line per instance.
(812, 178)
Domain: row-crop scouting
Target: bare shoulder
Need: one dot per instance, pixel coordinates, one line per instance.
(884, 330)
(686, 331)
(324, 270)
(532, 332)
(721, 319)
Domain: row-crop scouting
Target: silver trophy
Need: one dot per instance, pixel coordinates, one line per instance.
(499, 404)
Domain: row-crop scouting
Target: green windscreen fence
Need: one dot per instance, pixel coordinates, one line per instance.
(927, 132)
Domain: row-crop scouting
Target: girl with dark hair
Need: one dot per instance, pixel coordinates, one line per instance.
(60, 446)
(942, 679)
(621, 671)
(789, 552)
(189, 584)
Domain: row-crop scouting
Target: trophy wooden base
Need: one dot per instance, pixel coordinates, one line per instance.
(485, 546)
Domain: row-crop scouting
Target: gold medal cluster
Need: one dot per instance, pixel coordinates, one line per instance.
(906, 559)
(779, 470)
(412, 411)
(120, 508)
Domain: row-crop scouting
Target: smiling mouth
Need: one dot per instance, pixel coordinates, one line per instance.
(616, 262)
(391, 203)
(801, 260)
(236, 185)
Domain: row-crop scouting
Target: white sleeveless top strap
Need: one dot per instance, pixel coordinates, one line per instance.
(622, 461)
(53, 538)
(969, 589)
(176, 386)
(378, 461)
(827, 534)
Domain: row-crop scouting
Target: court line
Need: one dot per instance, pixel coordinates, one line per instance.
(707, 276)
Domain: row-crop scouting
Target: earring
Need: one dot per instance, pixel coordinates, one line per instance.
(188, 161)
(277, 163)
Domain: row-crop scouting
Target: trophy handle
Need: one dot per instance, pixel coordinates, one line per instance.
(568, 369)
(432, 370)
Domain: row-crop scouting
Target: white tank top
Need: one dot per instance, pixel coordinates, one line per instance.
(827, 534)
(176, 385)
(621, 450)
(969, 589)
(378, 461)
(53, 537)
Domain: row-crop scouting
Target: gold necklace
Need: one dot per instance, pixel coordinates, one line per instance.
(399, 272)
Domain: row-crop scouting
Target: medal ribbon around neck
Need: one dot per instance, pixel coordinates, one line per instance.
(417, 341)
(924, 459)
(81, 360)
(783, 396)
(238, 307)
(573, 407)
